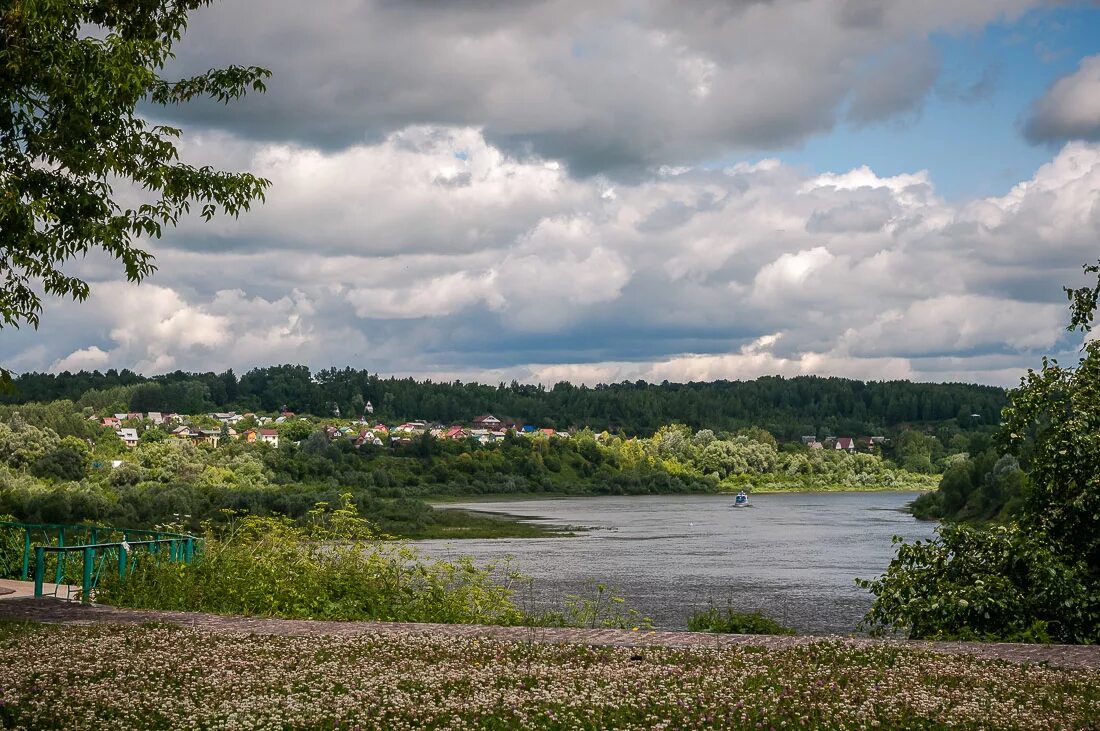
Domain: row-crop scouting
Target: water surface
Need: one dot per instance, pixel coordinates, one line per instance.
(792, 555)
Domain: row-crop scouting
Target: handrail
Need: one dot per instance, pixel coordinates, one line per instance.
(179, 549)
(92, 529)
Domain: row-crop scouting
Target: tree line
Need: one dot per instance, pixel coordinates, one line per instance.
(786, 407)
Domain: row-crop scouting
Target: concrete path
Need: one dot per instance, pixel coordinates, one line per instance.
(61, 612)
(11, 589)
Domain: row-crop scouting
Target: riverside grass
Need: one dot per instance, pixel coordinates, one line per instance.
(163, 677)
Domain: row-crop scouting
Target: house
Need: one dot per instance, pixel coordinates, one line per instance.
(412, 427)
(182, 431)
(548, 432)
(456, 432)
(207, 436)
(112, 422)
(846, 443)
(487, 421)
(269, 436)
(122, 417)
(815, 445)
(228, 417)
(156, 417)
(128, 436)
(808, 440)
(368, 408)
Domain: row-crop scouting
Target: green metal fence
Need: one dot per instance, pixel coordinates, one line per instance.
(91, 548)
(98, 556)
(70, 534)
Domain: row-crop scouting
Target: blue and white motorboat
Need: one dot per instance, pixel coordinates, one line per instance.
(741, 501)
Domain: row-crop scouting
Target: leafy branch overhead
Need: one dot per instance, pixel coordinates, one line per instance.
(72, 75)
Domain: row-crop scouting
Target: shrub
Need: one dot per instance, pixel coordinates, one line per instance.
(336, 567)
(998, 583)
(727, 621)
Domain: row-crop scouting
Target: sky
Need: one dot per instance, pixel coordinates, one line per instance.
(548, 190)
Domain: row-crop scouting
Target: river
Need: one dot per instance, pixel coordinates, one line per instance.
(792, 555)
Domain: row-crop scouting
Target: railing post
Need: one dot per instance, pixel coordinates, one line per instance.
(155, 547)
(39, 570)
(94, 535)
(122, 559)
(26, 553)
(61, 554)
(173, 550)
(189, 550)
(86, 584)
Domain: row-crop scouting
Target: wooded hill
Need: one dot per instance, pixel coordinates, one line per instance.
(788, 407)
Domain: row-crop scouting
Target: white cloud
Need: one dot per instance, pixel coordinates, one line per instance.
(364, 258)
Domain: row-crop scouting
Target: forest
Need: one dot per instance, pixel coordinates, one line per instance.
(786, 407)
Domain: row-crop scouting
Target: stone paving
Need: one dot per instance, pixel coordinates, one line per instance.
(57, 611)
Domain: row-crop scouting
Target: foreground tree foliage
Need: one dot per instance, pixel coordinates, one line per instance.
(72, 75)
(1038, 579)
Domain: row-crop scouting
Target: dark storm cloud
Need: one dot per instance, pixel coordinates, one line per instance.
(606, 87)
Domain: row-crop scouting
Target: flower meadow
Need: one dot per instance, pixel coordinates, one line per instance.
(165, 677)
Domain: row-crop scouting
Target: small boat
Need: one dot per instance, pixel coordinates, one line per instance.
(741, 501)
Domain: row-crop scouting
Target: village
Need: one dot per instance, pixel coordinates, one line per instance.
(217, 427)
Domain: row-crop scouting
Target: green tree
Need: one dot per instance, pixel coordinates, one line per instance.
(1039, 578)
(72, 75)
(1054, 418)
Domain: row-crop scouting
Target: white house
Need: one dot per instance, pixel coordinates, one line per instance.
(269, 436)
(128, 436)
(487, 421)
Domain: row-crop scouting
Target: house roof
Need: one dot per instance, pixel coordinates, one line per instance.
(486, 417)
(845, 442)
(269, 432)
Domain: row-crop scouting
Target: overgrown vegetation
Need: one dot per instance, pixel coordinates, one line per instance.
(728, 621)
(336, 566)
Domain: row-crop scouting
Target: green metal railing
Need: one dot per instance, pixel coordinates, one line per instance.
(54, 534)
(95, 545)
(181, 549)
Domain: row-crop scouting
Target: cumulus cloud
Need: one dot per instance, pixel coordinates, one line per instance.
(362, 257)
(1070, 109)
(604, 87)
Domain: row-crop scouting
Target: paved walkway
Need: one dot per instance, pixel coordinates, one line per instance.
(12, 589)
(62, 612)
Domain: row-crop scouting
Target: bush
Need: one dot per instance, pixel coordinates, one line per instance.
(334, 568)
(727, 621)
(11, 549)
(1000, 583)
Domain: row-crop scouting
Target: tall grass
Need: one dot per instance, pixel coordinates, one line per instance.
(335, 567)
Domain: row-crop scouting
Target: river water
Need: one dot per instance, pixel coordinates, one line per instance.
(794, 556)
